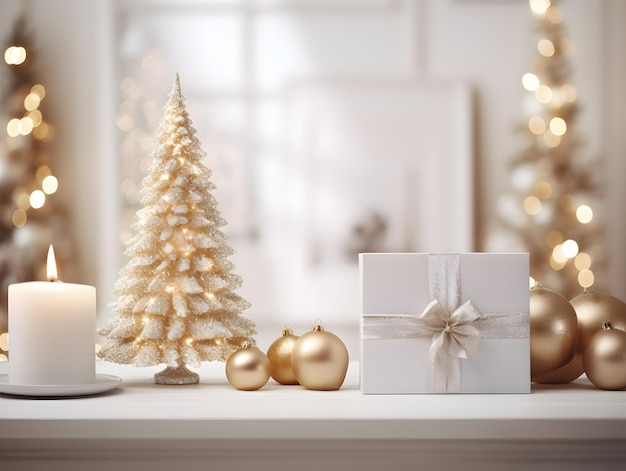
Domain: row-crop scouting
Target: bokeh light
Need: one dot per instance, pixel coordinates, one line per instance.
(15, 55)
(42, 172)
(545, 47)
(23, 201)
(558, 255)
(539, 7)
(18, 218)
(584, 214)
(551, 140)
(554, 15)
(39, 90)
(543, 189)
(570, 248)
(557, 265)
(37, 199)
(554, 238)
(558, 126)
(530, 82)
(586, 278)
(532, 205)
(36, 117)
(536, 125)
(13, 127)
(50, 184)
(26, 126)
(32, 101)
(544, 94)
(582, 261)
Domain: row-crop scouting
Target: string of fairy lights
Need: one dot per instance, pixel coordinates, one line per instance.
(31, 122)
(26, 166)
(556, 192)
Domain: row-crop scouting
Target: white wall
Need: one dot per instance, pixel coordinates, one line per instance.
(487, 43)
(613, 138)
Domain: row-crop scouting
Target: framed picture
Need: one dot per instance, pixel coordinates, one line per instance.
(371, 167)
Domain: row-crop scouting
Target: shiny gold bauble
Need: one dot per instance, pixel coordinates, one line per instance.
(248, 369)
(593, 310)
(553, 331)
(279, 355)
(320, 360)
(565, 374)
(604, 358)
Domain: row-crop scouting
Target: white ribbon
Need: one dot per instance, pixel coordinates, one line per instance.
(456, 329)
(453, 339)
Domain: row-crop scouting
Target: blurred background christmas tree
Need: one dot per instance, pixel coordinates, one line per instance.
(550, 210)
(29, 221)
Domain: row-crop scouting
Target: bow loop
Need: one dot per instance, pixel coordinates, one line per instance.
(464, 341)
(453, 338)
(465, 314)
(435, 316)
(458, 337)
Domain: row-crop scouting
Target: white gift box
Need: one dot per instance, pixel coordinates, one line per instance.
(424, 313)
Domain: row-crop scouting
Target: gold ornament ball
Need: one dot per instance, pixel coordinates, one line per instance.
(320, 360)
(565, 374)
(593, 310)
(553, 331)
(604, 358)
(248, 369)
(279, 355)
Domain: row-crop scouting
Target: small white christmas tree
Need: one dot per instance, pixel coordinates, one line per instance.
(176, 301)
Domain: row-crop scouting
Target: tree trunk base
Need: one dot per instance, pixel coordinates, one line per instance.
(176, 375)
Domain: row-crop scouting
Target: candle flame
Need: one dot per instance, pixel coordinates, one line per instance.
(52, 265)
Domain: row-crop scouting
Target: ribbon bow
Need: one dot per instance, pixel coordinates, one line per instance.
(453, 339)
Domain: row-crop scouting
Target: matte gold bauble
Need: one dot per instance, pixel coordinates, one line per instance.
(593, 310)
(279, 355)
(553, 331)
(604, 358)
(248, 368)
(320, 359)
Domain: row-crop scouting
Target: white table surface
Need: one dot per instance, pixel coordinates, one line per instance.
(139, 409)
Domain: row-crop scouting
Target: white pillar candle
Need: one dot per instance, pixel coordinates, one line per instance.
(51, 332)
